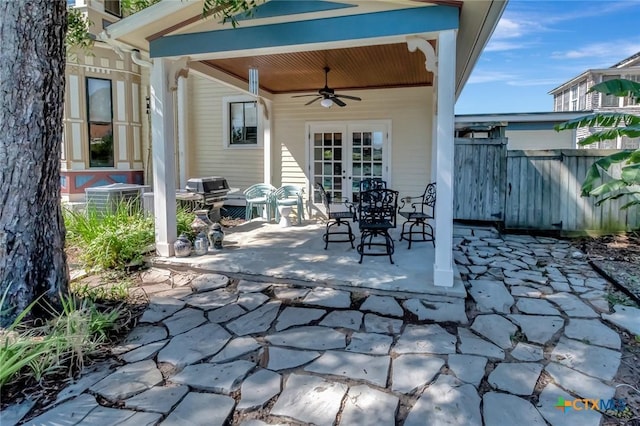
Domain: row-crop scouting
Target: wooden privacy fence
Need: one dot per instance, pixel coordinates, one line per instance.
(536, 190)
(479, 179)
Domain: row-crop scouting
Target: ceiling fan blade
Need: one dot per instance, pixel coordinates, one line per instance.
(302, 96)
(313, 100)
(338, 101)
(353, 98)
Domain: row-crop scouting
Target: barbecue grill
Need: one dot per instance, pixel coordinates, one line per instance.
(206, 193)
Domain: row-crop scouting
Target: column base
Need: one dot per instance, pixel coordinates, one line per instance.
(164, 249)
(442, 277)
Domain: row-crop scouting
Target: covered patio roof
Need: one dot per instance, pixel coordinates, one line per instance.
(364, 42)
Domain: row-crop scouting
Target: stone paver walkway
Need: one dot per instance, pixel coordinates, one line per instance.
(212, 351)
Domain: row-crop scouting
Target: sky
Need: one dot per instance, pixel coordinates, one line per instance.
(538, 45)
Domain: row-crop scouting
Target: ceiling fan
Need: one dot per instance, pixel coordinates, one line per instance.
(328, 96)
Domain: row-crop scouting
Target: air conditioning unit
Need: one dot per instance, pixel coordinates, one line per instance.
(105, 199)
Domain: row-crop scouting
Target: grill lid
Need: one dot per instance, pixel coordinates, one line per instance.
(208, 184)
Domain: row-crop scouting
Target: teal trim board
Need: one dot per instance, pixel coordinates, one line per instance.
(339, 28)
(290, 7)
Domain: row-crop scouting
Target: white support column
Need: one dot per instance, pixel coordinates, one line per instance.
(264, 111)
(183, 134)
(163, 146)
(444, 123)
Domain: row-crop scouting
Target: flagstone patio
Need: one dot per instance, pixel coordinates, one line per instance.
(213, 351)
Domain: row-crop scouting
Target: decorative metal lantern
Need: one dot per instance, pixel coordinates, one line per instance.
(216, 235)
(201, 244)
(182, 246)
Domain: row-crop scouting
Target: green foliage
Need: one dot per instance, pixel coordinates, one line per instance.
(118, 291)
(71, 334)
(228, 9)
(78, 36)
(129, 7)
(118, 239)
(599, 182)
(112, 240)
(184, 220)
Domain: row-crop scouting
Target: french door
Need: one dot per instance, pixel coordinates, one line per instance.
(342, 154)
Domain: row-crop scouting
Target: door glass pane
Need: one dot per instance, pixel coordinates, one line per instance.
(357, 139)
(366, 138)
(377, 154)
(366, 154)
(366, 158)
(327, 161)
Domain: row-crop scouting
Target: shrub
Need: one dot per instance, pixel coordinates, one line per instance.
(111, 240)
(118, 239)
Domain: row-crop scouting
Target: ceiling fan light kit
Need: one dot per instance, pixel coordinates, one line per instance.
(327, 96)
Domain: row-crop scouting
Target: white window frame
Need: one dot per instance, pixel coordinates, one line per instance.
(574, 93)
(226, 131)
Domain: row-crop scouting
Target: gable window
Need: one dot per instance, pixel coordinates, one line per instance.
(582, 96)
(100, 121)
(243, 123)
(574, 98)
(113, 7)
(565, 100)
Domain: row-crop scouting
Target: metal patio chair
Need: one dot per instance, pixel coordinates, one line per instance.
(377, 215)
(337, 218)
(417, 212)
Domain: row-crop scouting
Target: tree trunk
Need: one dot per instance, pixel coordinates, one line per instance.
(32, 62)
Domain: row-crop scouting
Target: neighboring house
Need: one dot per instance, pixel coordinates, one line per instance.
(572, 96)
(524, 131)
(104, 112)
(404, 59)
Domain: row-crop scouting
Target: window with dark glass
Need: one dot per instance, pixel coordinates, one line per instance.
(100, 119)
(113, 7)
(243, 123)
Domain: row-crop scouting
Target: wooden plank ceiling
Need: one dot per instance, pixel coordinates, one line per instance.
(381, 66)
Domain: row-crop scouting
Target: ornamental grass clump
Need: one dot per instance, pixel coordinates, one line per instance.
(117, 239)
(110, 240)
(34, 349)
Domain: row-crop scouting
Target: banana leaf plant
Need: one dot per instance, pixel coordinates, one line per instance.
(598, 181)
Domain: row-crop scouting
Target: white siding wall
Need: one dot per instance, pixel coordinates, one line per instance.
(207, 154)
(540, 139)
(409, 109)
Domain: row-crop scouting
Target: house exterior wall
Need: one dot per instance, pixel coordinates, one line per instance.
(124, 75)
(128, 88)
(207, 152)
(628, 69)
(409, 110)
(539, 139)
